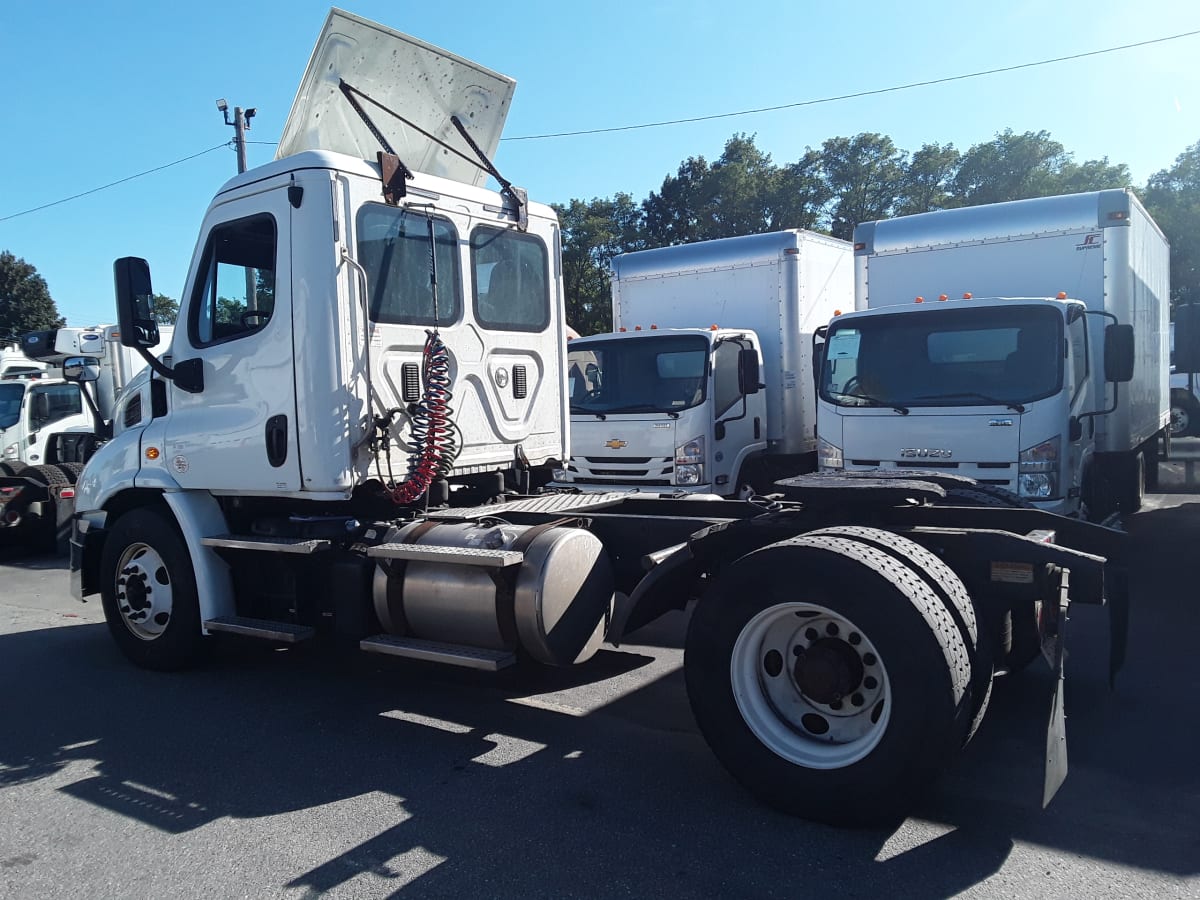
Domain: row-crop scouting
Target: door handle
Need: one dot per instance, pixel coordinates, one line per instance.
(276, 440)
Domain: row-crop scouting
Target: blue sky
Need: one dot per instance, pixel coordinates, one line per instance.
(99, 91)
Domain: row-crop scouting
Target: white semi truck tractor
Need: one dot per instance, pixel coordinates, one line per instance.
(367, 385)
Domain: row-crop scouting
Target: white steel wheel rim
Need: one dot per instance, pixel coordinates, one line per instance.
(145, 599)
(786, 697)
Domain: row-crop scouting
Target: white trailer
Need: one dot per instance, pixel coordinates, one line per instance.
(334, 457)
(1023, 344)
(743, 416)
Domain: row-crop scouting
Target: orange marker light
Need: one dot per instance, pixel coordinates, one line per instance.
(967, 295)
(942, 298)
(622, 329)
(712, 327)
(919, 300)
(1062, 295)
(151, 453)
(637, 327)
(653, 327)
(837, 312)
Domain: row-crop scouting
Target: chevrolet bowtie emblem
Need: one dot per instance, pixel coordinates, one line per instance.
(614, 444)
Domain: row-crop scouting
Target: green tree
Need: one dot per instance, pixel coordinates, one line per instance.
(1093, 175)
(165, 309)
(801, 194)
(25, 301)
(1172, 197)
(592, 234)
(1010, 167)
(925, 184)
(864, 175)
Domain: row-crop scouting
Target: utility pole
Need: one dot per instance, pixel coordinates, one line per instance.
(241, 124)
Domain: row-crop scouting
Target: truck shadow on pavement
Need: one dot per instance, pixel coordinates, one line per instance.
(468, 793)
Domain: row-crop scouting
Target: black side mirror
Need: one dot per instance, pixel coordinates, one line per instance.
(1187, 338)
(748, 371)
(81, 368)
(1118, 353)
(135, 302)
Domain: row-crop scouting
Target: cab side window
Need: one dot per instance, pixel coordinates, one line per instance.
(235, 290)
(53, 403)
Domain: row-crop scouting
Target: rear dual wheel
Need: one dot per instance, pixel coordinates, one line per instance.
(829, 677)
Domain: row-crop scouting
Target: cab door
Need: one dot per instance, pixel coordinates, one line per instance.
(238, 433)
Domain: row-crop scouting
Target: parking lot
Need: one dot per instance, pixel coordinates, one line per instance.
(304, 773)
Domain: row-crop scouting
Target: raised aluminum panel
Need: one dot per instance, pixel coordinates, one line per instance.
(423, 83)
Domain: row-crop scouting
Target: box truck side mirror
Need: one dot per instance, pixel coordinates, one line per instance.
(1187, 338)
(1118, 353)
(749, 381)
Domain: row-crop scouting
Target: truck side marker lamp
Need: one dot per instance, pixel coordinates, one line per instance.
(1062, 295)
(919, 300)
(152, 453)
(942, 298)
(967, 295)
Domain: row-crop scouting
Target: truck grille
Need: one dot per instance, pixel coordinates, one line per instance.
(647, 470)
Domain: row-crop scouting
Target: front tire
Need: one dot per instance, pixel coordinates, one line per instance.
(828, 678)
(149, 592)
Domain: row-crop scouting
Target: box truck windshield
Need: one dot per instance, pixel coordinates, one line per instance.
(663, 374)
(10, 403)
(945, 357)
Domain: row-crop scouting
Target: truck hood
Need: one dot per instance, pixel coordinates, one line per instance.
(424, 84)
(968, 437)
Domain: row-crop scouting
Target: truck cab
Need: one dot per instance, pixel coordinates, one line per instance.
(664, 410)
(32, 410)
(982, 387)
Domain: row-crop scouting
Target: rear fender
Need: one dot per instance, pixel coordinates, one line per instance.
(667, 586)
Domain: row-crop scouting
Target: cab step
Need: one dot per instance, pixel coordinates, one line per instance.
(462, 556)
(434, 651)
(284, 632)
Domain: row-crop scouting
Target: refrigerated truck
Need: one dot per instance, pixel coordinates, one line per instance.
(705, 384)
(1023, 344)
(276, 482)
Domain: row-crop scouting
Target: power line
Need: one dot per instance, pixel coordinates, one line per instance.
(728, 115)
(886, 90)
(104, 187)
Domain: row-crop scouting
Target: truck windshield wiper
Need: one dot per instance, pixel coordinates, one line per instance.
(986, 398)
(641, 408)
(580, 411)
(875, 401)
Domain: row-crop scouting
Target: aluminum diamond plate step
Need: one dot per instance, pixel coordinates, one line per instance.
(285, 632)
(550, 503)
(434, 651)
(462, 556)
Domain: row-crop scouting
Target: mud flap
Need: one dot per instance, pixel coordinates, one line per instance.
(1053, 625)
(1118, 621)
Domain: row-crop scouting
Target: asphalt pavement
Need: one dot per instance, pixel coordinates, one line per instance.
(300, 773)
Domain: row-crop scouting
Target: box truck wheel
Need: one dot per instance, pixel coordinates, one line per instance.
(828, 678)
(149, 592)
(1185, 414)
(949, 588)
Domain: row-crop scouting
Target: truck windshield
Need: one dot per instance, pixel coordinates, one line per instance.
(10, 403)
(643, 374)
(958, 356)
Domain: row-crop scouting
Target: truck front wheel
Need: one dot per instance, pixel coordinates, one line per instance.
(149, 592)
(828, 678)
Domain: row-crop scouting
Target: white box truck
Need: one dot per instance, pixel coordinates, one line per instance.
(705, 385)
(1023, 344)
(275, 481)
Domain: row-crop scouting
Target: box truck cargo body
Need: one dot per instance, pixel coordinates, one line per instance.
(989, 340)
(760, 296)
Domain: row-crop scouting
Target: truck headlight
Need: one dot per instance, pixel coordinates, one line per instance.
(1037, 470)
(689, 461)
(11, 451)
(829, 456)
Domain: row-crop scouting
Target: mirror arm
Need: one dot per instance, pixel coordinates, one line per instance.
(1103, 412)
(156, 364)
